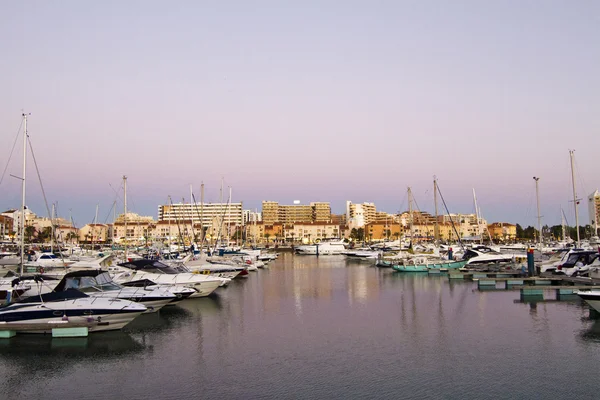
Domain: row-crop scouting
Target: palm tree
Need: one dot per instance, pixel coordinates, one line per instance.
(71, 236)
(29, 233)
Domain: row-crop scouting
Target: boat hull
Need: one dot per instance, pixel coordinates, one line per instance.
(426, 267)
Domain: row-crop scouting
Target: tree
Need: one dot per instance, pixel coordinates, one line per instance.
(519, 231)
(45, 234)
(530, 233)
(360, 232)
(71, 236)
(267, 236)
(354, 234)
(29, 233)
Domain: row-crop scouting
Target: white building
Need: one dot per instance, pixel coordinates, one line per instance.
(358, 215)
(251, 216)
(229, 213)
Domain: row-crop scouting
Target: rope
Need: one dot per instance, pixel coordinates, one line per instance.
(448, 211)
(11, 152)
(37, 170)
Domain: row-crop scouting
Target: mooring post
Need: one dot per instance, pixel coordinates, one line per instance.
(530, 262)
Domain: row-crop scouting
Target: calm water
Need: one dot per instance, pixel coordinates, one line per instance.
(323, 328)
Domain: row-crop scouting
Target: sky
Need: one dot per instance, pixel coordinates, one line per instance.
(301, 100)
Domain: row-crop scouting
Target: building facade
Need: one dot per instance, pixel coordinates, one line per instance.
(273, 212)
(359, 215)
(502, 231)
(94, 233)
(230, 213)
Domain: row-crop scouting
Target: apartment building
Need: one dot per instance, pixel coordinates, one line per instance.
(273, 212)
(229, 213)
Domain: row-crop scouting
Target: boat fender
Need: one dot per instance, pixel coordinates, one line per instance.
(41, 270)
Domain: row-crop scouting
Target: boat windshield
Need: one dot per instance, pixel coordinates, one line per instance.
(100, 283)
(159, 268)
(48, 257)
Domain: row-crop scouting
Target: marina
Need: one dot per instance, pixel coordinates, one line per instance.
(323, 327)
(299, 200)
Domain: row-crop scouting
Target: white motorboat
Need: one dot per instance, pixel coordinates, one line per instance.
(180, 291)
(323, 248)
(97, 283)
(163, 274)
(592, 297)
(363, 254)
(70, 306)
(485, 255)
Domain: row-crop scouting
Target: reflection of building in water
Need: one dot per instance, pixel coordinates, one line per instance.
(362, 285)
(359, 287)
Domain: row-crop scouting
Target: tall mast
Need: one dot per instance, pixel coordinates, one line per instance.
(477, 218)
(575, 199)
(562, 223)
(125, 212)
(436, 228)
(94, 226)
(539, 217)
(23, 191)
(202, 211)
(229, 217)
(410, 213)
(52, 224)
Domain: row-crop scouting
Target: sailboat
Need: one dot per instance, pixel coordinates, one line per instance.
(43, 313)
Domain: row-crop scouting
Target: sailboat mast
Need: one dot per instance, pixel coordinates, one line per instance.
(562, 223)
(477, 217)
(52, 225)
(125, 213)
(94, 226)
(410, 213)
(202, 211)
(436, 228)
(575, 199)
(539, 217)
(23, 191)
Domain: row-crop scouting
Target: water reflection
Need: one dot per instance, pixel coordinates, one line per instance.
(592, 333)
(29, 358)
(322, 328)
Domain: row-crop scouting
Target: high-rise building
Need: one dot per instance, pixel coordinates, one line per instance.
(228, 213)
(594, 210)
(359, 215)
(273, 212)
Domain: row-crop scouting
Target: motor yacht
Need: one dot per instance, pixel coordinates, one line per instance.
(485, 255)
(69, 306)
(323, 248)
(163, 274)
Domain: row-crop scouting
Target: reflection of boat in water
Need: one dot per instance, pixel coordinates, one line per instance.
(113, 344)
(592, 333)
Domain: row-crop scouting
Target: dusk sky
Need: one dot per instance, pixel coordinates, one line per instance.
(305, 100)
